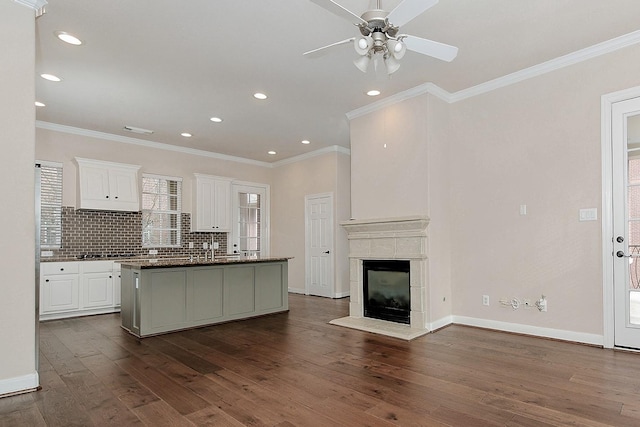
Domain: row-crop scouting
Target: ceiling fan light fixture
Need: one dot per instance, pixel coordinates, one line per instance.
(396, 48)
(392, 64)
(363, 45)
(362, 63)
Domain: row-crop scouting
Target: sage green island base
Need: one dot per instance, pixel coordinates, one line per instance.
(166, 296)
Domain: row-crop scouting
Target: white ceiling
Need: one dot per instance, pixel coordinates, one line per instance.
(170, 65)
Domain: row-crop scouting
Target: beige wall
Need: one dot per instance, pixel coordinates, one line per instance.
(291, 183)
(536, 143)
(64, 147)
(392, 181)
(469, 166)
(17, 261)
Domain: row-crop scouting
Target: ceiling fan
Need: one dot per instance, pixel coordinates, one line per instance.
(379, 39)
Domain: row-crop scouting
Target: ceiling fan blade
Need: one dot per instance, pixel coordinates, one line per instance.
(437, 50)
(409, 9)
(339, 10)
(315, 53)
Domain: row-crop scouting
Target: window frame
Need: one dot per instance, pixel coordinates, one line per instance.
(52, 206)
(177, 212)
(265, 209)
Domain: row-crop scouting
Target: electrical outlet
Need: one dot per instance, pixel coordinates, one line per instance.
(485, 299)
(190, 245)
(205, 245)
(153, 252)
(542, 304)
(216, 245)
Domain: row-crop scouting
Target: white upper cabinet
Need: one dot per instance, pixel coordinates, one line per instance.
(107, 186)
(211, 210)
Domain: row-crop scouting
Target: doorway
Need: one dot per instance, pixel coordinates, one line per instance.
(621, 224)
(319, 266)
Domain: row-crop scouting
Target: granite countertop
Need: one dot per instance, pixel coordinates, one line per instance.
(186, 261)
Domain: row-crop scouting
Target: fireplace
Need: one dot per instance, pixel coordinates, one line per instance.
(388, 240)
(386, 291)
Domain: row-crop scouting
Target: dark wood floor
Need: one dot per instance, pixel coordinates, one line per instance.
(294, 369)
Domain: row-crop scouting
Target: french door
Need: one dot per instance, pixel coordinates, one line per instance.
(625, 135)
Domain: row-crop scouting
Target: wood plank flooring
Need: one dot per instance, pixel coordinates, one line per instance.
(294, 369)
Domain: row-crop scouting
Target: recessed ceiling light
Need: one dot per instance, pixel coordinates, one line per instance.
(373, 92)
(50, 77)
(272, 152)
(39, 104)
(68, 38)
(259, 95)
(306, 141)
(186, 134)
(216, 119)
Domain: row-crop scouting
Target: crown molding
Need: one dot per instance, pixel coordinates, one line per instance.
(573, 58)
(145, 143)
(316, 153)
(32, 4)
(195, 152)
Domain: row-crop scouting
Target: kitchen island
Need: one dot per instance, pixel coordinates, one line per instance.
(167, 295)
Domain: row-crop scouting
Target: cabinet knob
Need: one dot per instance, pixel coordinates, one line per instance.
(109, 277)
(62, 269)
(107, 197)
(46, 280)
(116, 197)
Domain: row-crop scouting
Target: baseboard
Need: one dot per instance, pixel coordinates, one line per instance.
(558, 334)
(341, 294)
(296, 291)
(18, 385)
(440, 323)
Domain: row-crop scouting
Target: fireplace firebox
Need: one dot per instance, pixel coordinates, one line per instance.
(386, 290)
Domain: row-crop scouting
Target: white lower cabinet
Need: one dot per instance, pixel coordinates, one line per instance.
(78, 288)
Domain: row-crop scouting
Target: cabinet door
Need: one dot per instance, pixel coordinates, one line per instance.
(213, 204)
(123, 189)
(94, 187)
(117, 288)
(222, 205)
(97, 290)
(59, 292)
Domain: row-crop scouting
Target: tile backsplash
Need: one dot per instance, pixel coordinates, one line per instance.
(108, 233)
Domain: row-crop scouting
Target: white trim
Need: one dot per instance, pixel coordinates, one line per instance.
(537, 331)
(156, 176)
(507, 80)
(185, 150)
(22, 384)
(320, 152)
(608, 312)
(145, 143)
(32, 4)
(440, 323)
(341, 294)
(296, 291)
(48, 163)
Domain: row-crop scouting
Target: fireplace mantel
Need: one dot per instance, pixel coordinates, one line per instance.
(388, 238)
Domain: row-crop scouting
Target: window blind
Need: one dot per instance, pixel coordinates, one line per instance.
(50, 206)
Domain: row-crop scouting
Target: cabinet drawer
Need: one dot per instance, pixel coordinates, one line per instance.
(96, 266)
(49, 268)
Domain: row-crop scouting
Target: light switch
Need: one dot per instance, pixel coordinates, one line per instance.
(590, 214)
(523, 209)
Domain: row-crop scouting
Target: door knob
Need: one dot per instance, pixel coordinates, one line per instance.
(619, 239)
(325, 252)
(620, 254)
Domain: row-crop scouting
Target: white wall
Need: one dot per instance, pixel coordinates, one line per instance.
(17, 259)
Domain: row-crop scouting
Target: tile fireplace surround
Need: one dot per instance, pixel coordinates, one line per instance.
(388, 238)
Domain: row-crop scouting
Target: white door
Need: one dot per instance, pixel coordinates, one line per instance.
(625, 128)
(319, 245)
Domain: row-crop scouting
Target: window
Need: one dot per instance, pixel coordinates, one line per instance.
(250, 219)
(50, 205)
(161, 211)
